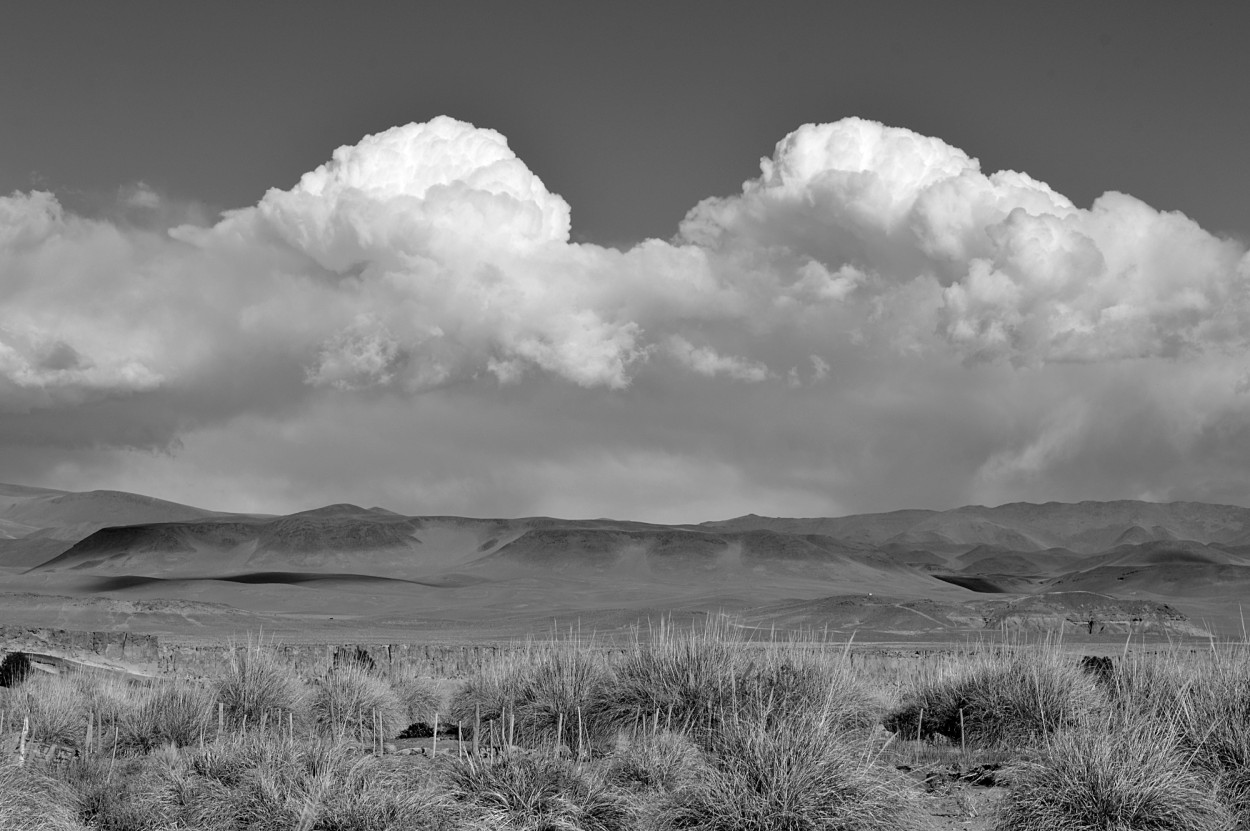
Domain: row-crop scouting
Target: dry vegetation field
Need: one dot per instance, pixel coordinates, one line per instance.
(684, 729)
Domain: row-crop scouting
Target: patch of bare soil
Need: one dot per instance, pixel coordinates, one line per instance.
(956, 797)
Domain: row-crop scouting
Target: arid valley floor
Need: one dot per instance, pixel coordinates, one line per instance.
(1097, 572)
(916, 670)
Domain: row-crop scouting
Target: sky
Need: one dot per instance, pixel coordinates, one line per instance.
(658, 261)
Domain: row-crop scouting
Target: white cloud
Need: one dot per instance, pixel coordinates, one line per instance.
(913, 331)
(707, 362)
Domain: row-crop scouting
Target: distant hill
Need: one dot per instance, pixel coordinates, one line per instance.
(1084, 527)
(1013, 566)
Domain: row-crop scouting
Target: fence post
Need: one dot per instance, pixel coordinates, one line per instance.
(21, 743)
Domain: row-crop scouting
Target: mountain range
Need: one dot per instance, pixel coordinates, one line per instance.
(106, 559)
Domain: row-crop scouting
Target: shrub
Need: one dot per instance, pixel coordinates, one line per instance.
(254, 684)
(1125, 777)
(786, 682)
(1210, 702)
(1000, 701)
(797, 775)
(149, 793)
(322, 785)
(57, 710)
(258, 782)
(31, 801)
(421, 699)
(525, 791)
(347, 701)
(537, 694)
(661, 762)
(687, 678)
(168, 714)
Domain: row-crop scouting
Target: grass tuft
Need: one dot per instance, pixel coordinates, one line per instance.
(1010, 700)
(801, 775)
(1125, 777)
(254, 685)
(350, 698)
(32, 801)
(528, 792)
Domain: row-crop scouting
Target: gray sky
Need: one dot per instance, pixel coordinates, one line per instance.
(464, 316)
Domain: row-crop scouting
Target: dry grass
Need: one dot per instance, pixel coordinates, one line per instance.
(529, 792)
(692, 729)
(255, 686)
(1011, 699)
(32, 801)
(797, 775)
(1123, 777)
(352, 701)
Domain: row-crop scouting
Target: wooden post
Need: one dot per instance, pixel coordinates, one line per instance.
(434, 750)
(221, 719)
(963, 745)
(113, 761)
(559, 732)
(21, 742)
(264, 719)
(477, 727)
(87, 743)
(511, 730)
(580, 746)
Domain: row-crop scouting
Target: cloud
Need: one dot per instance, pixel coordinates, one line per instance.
(873, 322)
(707, 362)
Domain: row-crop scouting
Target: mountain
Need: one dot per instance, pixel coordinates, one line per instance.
(1151, 567)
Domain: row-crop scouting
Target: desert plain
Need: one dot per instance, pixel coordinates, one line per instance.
(1019, 668)
(1095, 572)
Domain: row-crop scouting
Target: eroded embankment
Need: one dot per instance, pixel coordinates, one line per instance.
(150, 655)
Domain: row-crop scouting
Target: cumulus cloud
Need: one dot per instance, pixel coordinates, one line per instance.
(874, 322)
(707, 362)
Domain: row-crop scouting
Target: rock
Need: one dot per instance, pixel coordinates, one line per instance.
(389, 748)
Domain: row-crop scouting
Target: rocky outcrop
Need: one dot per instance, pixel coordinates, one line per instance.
(147, 653)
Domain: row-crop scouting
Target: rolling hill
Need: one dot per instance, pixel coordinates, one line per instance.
(1125, 566)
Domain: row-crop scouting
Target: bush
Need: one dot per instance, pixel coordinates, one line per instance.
(796, 775)
(254, 685)
(1209, 702)
(662, 762)
(347, 701)
(168, 714)
(31, 801)
(688, 679)
(1127, 777)
(57, 710)
(529, 792)
(538, 694)
(256, 782)
(788, 682)
(421, 699)
(1008, 700)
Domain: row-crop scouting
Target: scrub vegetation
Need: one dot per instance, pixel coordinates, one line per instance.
(678, 729)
